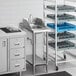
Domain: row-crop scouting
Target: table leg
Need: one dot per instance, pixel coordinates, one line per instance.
(34, 49)
(46, 52)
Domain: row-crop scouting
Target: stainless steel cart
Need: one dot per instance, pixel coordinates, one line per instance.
(34, 59)
(60, 13)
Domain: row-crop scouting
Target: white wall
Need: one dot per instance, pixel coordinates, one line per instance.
(13, 11)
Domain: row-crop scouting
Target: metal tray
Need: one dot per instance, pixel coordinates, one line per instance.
(10, 30)
(63, 35)
(62, 8)
(62, 44)
(62, 16)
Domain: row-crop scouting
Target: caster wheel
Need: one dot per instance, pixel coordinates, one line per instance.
(44, 58)
(17, 74)
(56, 68)
(64, 56)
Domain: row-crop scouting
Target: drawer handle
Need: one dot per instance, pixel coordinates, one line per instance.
(17, 65)
(17, 54)
(17, 44)
(4, 43)
(29, 39)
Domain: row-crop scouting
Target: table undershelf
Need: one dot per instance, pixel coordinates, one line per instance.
(38, 61)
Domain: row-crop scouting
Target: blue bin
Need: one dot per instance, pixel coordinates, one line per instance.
(63, 26)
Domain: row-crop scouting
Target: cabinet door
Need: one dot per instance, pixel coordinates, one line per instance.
(3, 55)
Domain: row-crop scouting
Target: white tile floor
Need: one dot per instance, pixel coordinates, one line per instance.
(69, 67)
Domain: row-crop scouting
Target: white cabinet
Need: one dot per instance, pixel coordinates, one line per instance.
(12, 52)
(3, 55)
(17, 53)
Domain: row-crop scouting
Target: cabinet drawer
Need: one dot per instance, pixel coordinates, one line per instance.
(16, 42)
(17, 53)
(17, 65)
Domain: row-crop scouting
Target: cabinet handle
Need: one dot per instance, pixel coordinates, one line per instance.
(17, 54)
(17, 65)
(17, 44)
(29, 39)
(4, 43)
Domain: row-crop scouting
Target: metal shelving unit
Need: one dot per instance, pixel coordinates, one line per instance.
(38, 38)
(34, 59)
(60, 20)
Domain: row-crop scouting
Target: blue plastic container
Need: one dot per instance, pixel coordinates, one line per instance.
(63, 26)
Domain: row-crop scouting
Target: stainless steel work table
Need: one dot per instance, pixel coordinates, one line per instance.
(35, 60)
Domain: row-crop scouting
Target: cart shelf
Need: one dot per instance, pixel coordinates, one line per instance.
(62, 17)
(62, 44)
(38, 61)
(63, 35)
(60, 58)
(63, 26)
(62, 8)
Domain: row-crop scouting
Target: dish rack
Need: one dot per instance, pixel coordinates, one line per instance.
(61, 20)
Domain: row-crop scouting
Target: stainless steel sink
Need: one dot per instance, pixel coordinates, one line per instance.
(10, 30)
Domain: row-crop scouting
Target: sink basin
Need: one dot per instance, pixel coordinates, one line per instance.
(10, 29)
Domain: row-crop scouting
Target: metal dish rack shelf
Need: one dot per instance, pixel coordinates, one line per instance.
(61, 22)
